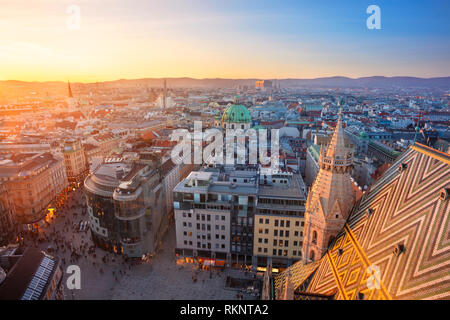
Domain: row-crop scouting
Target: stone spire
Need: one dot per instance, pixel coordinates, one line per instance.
(336, 147)
(330, 198)
(70, 90)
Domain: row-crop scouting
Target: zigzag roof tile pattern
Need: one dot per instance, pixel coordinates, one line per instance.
(396, 243)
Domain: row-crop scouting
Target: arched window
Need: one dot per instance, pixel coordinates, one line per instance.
(311, 255)
(314, 239)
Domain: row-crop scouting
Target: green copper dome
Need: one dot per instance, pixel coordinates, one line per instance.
(363, 135)
(236, 113)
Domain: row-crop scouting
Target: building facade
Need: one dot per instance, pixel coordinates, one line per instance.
(33, 181)
(75, 160)
(126, 207)
(279, 220)
(8, 222)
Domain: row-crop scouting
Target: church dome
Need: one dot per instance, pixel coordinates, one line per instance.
(363, 135)
(236, 113)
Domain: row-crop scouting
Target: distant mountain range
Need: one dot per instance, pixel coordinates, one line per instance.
(328, 82)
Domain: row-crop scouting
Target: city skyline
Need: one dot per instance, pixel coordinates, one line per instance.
(212, 40)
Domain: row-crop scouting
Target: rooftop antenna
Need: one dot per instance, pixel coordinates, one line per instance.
(164, 94)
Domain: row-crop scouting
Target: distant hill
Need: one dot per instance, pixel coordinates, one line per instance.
(328, 82)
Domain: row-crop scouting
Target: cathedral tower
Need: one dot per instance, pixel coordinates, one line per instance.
(330, 198)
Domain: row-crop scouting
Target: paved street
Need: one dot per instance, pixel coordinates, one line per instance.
(160, 278)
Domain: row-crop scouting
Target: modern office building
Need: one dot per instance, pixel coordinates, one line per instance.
(214, 216)
(126, 206)
(235, 216)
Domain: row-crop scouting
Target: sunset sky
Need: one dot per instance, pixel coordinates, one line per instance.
(227, 39)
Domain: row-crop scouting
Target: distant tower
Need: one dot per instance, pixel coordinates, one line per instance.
(71, 103)
(330, 198)
(70, 90)
(165, 94)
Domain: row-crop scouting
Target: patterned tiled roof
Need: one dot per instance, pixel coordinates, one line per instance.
(298, 273)
(396, 242)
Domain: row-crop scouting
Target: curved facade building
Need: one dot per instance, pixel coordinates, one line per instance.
(126, 207)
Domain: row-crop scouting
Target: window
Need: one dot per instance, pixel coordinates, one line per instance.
(297, 223)
(261, 220)
(259, 240)
(276, 223)
(311, 255)
(288, 224)
(267, 221)
(287, 233)
(275, 233)
(282, 223)
(314, 238)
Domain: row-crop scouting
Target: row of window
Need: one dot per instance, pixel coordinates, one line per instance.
(280, 252)
(204, 217)
(280, 243)
(281, 223)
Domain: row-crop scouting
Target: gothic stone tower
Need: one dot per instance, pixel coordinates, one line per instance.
(330, 198)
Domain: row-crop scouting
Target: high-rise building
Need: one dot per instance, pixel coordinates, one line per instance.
(330, 198)
(263, 84)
